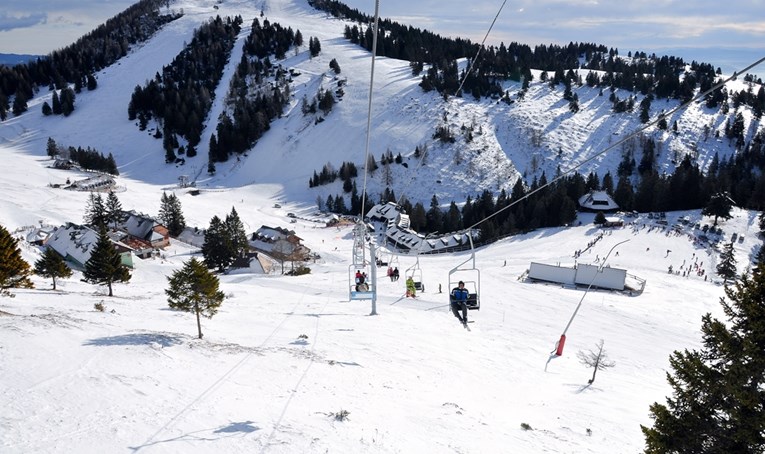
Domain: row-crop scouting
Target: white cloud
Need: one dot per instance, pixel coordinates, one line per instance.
(11, 22)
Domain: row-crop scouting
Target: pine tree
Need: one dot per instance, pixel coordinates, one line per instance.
(719, 206)
(56, 103)
(67, 101)
(718, 392)
(171, 214)
(114, 214)
(104, 267)
(194, 289)
(326, 102)
(51, 149)
(335, 66)
(19, 103)
(92, 83)
(235, 235)
(52, 265)
(14, 271)
(215, 247)
(434, 216)
(727, 266)
(298, 40)
(95, 214)
(759, 257)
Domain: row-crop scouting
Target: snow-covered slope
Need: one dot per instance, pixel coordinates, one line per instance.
(286, 355)
(534, 135)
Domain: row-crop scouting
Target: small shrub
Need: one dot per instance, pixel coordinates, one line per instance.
(525, 426)
(342, 415)
(99, 306)
(299, 271)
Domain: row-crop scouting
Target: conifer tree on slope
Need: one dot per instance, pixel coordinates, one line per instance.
(14, 271)
(727, 266)
(113, 210)
(171, 214)
(104, 267)
(52, 265)
(719, 206)
(95, 212)
(216, 246)
(237, 237)
(194, 289)
(719, 391)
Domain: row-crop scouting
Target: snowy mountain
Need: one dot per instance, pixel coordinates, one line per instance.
(289, 364)
(528, 137)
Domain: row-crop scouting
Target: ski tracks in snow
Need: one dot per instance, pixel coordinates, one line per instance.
(229, 374)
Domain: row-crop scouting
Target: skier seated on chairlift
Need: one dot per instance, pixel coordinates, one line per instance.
(410, 288)
(458, 302)
(361, 285)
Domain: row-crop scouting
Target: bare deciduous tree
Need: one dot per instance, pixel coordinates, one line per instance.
(596, 359)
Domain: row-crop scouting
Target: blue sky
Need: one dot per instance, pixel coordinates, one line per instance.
(41, 26)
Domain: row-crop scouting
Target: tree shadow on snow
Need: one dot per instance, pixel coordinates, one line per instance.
(164, 340)
(244, 427)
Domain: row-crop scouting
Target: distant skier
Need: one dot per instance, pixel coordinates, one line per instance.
(458, 300)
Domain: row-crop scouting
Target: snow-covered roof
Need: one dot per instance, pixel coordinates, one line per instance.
(387, 211)
(74, 242)
(402, 237)
(598, 200)
(139, 225)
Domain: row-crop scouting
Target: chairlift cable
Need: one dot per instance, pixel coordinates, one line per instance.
(369, 110)
(472, 63)
(470, 68)
(619, 142)
(558, 348)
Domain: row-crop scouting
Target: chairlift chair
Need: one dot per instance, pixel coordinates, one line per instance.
(415, 273)
(380, 262)
(360, 290)
(468, 273)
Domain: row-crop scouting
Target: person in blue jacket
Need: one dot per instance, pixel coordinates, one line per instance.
(459, 297)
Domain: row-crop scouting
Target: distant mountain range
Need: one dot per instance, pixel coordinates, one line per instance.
(14, 59)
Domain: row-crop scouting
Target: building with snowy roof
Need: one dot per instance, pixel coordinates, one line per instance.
(597, 201)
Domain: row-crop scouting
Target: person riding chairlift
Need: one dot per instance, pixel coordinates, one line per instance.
(458, 302)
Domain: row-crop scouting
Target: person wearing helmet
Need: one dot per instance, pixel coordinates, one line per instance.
(458, 300)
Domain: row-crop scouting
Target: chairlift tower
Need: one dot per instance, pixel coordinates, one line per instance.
(359, 246)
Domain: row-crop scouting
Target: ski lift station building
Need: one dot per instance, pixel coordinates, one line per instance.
(586, 275)
(395, 226)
